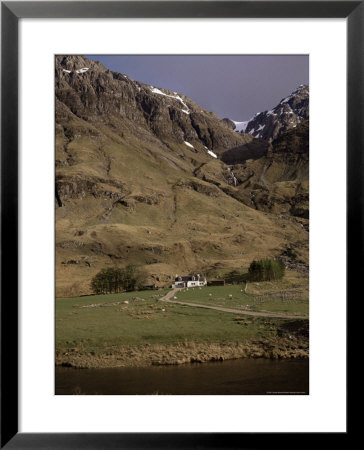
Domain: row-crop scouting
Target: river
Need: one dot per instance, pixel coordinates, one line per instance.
(234, 377)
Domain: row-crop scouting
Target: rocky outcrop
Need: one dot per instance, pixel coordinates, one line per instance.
(289, 112)
(230, 123)
(77, 187)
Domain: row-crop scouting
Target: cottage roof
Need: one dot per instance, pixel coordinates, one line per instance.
(194, 277)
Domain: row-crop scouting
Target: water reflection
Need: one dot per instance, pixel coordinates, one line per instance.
(243, 376)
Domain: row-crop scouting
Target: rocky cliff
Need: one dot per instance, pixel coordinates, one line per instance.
(277, 181)
(101, 97)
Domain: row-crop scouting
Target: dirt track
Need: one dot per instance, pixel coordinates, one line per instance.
(169, 295)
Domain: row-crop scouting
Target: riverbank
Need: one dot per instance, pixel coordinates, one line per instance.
(188, 352)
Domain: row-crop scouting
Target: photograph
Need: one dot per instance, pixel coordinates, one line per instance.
(177, 235)
(181, 224)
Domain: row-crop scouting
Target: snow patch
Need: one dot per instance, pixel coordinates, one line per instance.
(271, 113)
(157, 91)
(186, 110)
(65, 70)
(177, 97)
(241, 126)
(84, 69)
(210, 152)
(188, 144)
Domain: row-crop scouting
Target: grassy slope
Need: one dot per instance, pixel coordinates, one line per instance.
(193, 226)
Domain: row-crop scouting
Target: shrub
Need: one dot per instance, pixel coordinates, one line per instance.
(266, 270)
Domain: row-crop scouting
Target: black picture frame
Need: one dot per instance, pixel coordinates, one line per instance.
(11, 12)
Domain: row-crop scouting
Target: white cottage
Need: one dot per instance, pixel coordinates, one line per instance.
(189, 281)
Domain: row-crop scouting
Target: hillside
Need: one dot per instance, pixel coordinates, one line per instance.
(141, 178)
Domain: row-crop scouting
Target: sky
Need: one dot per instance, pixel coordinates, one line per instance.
(233, 86)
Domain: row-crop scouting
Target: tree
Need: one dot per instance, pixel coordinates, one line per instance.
(114, 280)
(130, 278)
(107, 281)
(255, 271)
(266, 270)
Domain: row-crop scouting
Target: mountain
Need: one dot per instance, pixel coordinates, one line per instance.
(96, 95)
(276, 179)
(143, 176)
(268, 125)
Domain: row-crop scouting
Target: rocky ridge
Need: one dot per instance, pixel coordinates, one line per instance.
(97, 95)
(268, 125)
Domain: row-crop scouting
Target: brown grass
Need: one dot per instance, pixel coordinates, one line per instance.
(183, 353)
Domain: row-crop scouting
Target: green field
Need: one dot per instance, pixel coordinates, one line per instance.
(136, 328)
(144, 322)
(265, 297)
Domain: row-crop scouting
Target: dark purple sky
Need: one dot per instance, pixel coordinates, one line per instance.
(234, 86)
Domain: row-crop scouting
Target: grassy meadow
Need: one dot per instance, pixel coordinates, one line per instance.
(147, 321)
(288, 296)
(136, 328)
